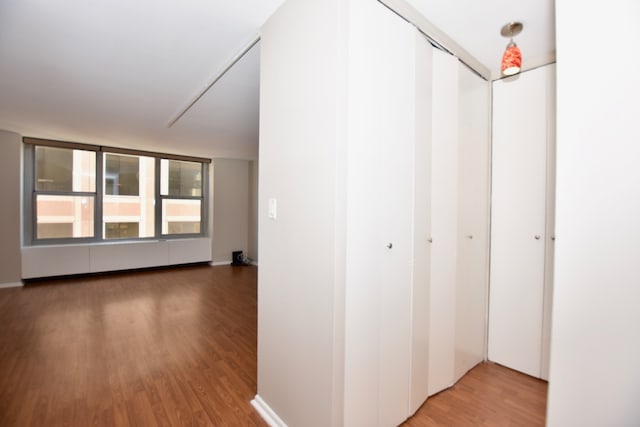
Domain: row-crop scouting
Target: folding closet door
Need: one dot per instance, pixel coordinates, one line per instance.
(519, 228)
(444, 221)
(421, 225)
(473, 221)
(550, 71)
(380, 168)
(404, 329)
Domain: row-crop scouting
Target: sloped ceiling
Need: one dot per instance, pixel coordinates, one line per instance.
(116, 72)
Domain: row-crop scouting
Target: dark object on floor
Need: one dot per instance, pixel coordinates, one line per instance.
(239, 259)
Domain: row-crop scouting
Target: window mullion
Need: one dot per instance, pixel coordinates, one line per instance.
(29, 194)
(65, 193)
(99, 214)
(204, 221)
(158, 201)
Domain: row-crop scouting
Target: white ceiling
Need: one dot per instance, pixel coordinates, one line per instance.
(116, 72)
(475, 25)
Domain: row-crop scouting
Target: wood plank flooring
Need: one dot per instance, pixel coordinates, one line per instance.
(178, 348)
(165, 347)
(489, 395)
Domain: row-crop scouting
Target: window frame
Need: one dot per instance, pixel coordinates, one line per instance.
(30, 194)
(162, 198)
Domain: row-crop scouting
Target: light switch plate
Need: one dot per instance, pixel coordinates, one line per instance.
(273, 209)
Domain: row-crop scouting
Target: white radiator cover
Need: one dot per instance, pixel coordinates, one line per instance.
(59, 260)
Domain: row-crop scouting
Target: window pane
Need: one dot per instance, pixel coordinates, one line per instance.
(121, 175)
(181, 178)
(62, 169)
(120, 230)
(181, 216)
(122, 208)
(184, 228)
(64, 216)
(55, 230)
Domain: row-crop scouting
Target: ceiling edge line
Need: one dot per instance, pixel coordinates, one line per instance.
(214, 80)
(436, 36)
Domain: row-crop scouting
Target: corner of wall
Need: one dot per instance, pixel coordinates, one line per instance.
(11, 206)
(252, 245)
(231, 216)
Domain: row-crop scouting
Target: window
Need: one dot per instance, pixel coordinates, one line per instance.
(129, 195)
(65, 193)
(76, 192)
(181, 195)
(121, 175)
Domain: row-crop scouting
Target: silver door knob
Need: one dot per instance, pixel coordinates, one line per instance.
(469, 236)
(537, 237)
(390, 245)
(553, 238)
(430, 239)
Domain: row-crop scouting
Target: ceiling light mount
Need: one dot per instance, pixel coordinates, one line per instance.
(511, 29)
(512, 57)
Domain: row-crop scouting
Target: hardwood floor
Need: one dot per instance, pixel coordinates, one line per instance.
(178, 347)
(489, 395)
(165, 347)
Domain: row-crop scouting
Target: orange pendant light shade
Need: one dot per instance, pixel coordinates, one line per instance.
(511, 60)
(512, 57)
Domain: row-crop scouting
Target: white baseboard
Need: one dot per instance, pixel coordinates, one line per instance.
(267, 413)
(213, 264)
(11, 285)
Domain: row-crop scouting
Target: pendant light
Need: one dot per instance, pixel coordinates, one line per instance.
(512, 58)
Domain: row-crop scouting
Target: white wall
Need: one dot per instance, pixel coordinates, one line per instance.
(336, 261)
(10, 208)
(595, 349)
(231, 202)
(301, 252)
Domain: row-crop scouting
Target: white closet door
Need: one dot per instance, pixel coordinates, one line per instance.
(473, 222)
(381, 129)
(518, 221)
(421, 226)
(550, 70)
(444, 221)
